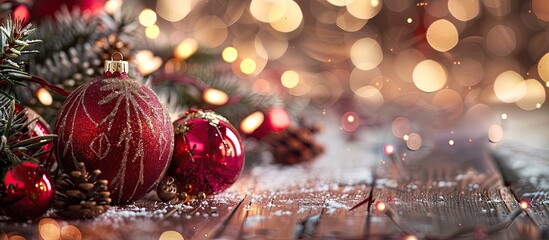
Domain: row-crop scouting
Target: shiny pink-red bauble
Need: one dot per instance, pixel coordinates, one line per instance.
(26, 192)
(37, 128)
(119, 126)
(42, 9)
(208, 155)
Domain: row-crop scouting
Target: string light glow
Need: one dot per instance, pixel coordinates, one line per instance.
(442, 35)
(186, 48)
(152, 31)
(44, 96)
(252, 122)
(429, 76)
(171, 235)
(147, 17)
(509, 87)
(543, 68)
(289, 79)
(215, 96)
(366, 61)
(247, 66)
(229, 54)
(112, 6)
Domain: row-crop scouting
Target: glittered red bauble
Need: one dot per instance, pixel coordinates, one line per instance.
(26, 192)
(47, 8)
(37, 128)
(208, 155)
(119, 126)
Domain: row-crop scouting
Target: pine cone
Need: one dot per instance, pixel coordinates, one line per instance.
(295, 144)
(81, 194)
(107, 46)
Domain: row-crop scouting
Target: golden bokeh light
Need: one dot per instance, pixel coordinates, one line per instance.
(504, 116)
(113, 6)
(174, 10)
(252, 122)
(364, 9)
(146, 62)
(210, 31)
(289, 79)
(534, 97)
(349, 23)
(429, 76)
(543, 68)
(414, 142)
(71, 232)
(229, 54)
(509, 87)
(495, 133)
(370, 97)
(48, 229)
(366, 53)
(451, 142)
(290, 20)
(268, 10)
(340, 3)
(247, 66)
(171, 235)
(442, 35)
(186, 48)
(400, 127)
(215, 96)
(464, 10)
(44, 96)
(410, 237)
(147, 17)
(541, 9)
(501, 40)
(152, 32)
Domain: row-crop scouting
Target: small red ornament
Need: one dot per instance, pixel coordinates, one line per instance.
(119, 126)
(208, 155)
(26, 192)
(274, 120)
(46, 9)
(38, 128)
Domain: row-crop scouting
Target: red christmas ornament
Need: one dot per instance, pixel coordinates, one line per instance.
(259, 125)
(37, 128)
(26, 192)
(119, 126)
(208, 155)
(46, 9)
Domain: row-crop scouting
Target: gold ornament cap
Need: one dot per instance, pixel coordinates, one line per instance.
(119, 66)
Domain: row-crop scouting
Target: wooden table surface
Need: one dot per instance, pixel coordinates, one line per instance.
(462, 191)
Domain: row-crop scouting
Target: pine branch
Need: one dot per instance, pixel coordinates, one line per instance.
(14, 38)
(15, 140)
(180, 92)
(74, 49)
